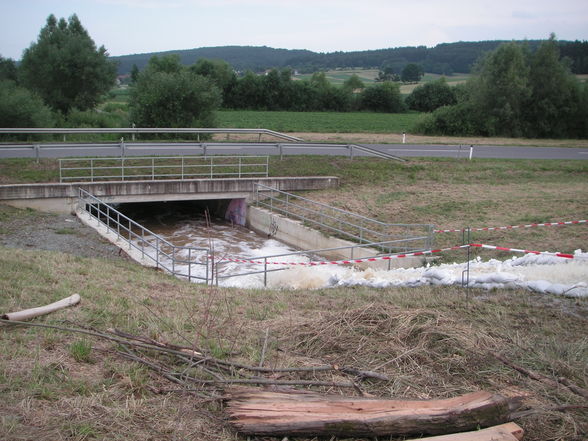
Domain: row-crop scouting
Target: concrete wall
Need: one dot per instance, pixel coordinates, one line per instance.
(61, 197)
(294, 233)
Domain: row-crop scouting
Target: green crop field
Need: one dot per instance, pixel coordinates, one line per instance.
(351, 122)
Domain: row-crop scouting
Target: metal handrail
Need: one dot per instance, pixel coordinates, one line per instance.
(345, 223)
(311, 254)
(143, 241)
(242, 167)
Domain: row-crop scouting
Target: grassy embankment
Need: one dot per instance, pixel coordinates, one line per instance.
(432, 341)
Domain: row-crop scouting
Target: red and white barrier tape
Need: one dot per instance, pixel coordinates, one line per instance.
(347, 262)
(400, 256)
(513, 227)
(516, 250)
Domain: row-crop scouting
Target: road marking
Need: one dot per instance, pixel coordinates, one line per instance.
(583, 153)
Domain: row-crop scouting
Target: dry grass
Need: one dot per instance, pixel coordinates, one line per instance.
(432, 342)
(396, 138)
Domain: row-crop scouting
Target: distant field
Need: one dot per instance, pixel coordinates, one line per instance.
(368, 76)
(351, 122)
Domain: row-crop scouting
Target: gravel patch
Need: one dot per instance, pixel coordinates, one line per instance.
(30, 229)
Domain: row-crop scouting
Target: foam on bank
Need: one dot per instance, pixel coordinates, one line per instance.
(540, 273)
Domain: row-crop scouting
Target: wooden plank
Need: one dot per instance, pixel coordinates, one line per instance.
(504, 432)
(259, 412)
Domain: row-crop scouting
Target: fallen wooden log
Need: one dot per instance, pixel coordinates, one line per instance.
(504, 432)
(31, 313)
(259, 412)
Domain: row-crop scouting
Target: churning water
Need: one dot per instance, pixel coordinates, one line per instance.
(186, 225)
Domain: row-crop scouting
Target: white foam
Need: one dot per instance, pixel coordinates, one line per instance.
(540, 273)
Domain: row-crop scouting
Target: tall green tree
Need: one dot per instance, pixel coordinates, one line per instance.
(7, 69)
(167, 94)
(219, 72)
(500, 92)
(412, 73)
(65, 68)
(555, 98)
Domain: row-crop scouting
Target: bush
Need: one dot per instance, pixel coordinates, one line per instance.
(383, 97)
(93, 119)
(431, 96)
(169, 95)
(448, 120)
(21, 108)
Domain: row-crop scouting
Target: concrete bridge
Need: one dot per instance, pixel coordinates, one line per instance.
(62, 197)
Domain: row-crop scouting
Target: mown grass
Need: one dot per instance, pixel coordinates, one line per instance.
(336, 122)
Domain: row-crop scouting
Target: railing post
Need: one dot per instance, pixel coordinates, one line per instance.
(350, 147)
(153, 169)
(240, 167)
(281, 151)
(211, 167)
(107, 218)
(91, 170)
(157, 251)
(265, 272)
(60, 175)
(122, 168)
(37, 148)
(173, 260)
(122, 147)
(189, 264)
(266, 166)
(182, 168)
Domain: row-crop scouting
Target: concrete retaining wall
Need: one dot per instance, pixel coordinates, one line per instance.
(294, 233)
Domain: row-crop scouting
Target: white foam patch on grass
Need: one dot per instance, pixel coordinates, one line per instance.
(540, 273)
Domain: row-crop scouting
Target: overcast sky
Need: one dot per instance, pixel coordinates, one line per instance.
(138, 26)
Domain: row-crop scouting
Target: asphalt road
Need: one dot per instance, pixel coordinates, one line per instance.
(401, 150)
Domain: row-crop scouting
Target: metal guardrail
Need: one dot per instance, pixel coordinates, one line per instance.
(164, 254)
(137, 130)
(342, 223)
(162, 167)
(126, 148)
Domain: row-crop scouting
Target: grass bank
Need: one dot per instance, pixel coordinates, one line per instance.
(431, 342)
(448, 193)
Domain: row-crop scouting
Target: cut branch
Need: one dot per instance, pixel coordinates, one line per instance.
(561, 381)
(257, 412)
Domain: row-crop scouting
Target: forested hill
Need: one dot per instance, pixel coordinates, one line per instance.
(255, 58)
(445, 58)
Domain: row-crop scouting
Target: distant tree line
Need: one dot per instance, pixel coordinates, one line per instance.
(517, 93)
(444, 59)
(166, 85)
